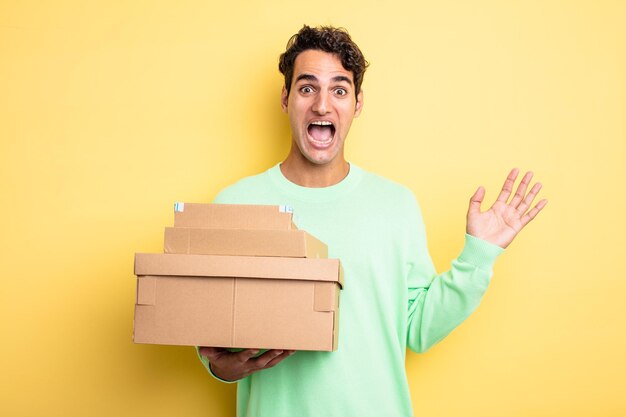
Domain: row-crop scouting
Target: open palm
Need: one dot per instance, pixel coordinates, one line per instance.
(504, 220)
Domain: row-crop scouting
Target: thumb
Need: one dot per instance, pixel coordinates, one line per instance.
(209, 352)
(476, 200)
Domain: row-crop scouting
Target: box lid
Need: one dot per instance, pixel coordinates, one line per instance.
(232, 216)
(243, 242)
(311, 269)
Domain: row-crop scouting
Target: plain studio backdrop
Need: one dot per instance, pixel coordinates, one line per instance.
(112, 111)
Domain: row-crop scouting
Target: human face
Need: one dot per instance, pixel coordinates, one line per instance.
(321, 106)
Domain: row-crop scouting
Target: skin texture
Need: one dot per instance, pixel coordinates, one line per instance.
(503, 221)
(232, 366)
(322, 89)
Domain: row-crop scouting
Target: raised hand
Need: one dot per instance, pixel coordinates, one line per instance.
(503, 221)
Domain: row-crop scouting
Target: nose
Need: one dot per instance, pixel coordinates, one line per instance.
(320, 106)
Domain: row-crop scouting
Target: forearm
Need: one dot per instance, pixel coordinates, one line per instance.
(452, 296)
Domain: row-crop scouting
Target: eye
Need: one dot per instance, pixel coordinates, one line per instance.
(341, 91)
(306, 89)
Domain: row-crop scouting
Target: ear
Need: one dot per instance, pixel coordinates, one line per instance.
(284, 98)
(359, 104)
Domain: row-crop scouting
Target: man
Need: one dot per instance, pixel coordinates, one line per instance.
(392, 298)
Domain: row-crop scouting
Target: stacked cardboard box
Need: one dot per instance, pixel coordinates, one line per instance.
(238, 276)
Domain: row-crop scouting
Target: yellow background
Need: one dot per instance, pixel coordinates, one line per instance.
(112, 111)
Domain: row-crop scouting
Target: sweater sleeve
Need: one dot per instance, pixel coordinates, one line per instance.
(437, 304)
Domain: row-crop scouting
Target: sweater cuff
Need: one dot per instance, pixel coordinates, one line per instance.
(479, 252)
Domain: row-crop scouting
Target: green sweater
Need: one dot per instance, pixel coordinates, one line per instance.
(392, 298)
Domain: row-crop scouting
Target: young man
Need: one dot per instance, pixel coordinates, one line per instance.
(392, 298)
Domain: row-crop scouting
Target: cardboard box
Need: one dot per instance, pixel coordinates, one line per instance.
(232, 216)
(237, 301)
(286, 243)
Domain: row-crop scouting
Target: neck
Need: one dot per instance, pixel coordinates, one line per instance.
(304, 173)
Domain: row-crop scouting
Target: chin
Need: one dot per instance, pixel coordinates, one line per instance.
(322, 160)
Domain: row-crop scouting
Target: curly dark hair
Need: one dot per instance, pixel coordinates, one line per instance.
(327, 39)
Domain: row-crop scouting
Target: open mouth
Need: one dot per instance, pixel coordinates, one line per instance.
(321, 132)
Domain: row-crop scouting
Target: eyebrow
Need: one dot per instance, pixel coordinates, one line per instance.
(311, 77)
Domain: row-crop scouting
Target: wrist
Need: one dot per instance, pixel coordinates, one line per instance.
(479, 251)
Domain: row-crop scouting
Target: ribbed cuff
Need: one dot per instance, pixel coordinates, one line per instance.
(479, 252)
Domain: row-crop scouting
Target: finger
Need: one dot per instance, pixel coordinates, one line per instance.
(246, 354)
(278, 359)
(521, 189)
(533, 213)
(528, 201)
(507, 188)
(262, 361)
(476, 200)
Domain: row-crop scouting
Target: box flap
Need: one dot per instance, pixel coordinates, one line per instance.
(278, 314)
(315, 247)
(232, 216)
(325, 297)
(313, 269)
(186, 312)
(146, 291)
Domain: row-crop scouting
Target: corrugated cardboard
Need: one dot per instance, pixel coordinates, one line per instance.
(287, 243)
(237, 301)
(232, 216)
